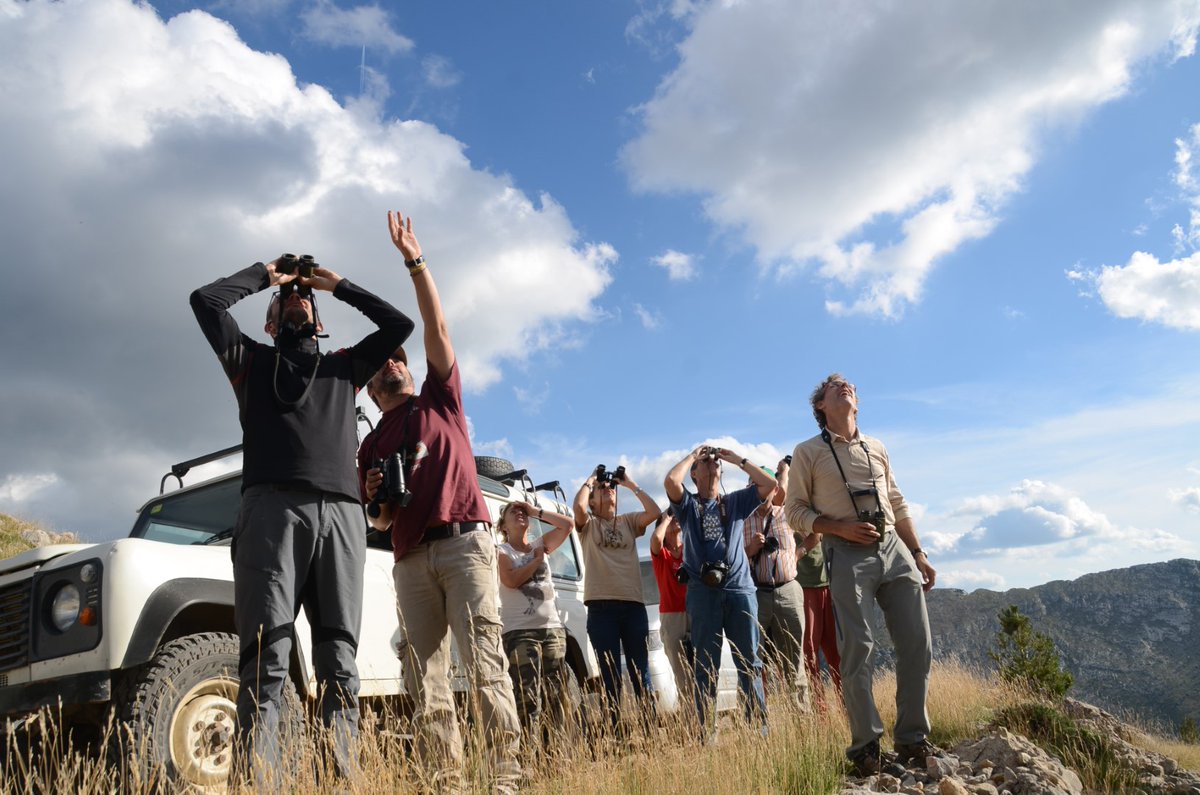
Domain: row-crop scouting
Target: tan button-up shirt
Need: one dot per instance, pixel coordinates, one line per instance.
(816, 488)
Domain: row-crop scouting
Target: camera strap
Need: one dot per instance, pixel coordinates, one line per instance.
(828, 439)
(312, 379)
(412, 406)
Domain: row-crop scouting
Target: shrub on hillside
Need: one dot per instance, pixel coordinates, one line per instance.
(1029, 658)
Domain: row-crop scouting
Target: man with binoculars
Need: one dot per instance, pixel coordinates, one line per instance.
(841, 486)
(300, 536)
(721, 595)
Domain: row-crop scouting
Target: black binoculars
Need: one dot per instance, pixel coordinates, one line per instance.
(614, 477)
(303, 265)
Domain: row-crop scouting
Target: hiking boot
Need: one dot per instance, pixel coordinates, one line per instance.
(868, 760)
(916, 753)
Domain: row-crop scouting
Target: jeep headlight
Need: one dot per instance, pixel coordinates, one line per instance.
(64, 609)
(68, 617)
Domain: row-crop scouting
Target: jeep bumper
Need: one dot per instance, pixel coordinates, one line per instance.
(27, 697)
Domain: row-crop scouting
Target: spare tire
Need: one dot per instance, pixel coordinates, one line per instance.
(492, 467)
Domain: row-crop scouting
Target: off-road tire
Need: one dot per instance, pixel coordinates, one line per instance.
(492, 467)
(177, 715)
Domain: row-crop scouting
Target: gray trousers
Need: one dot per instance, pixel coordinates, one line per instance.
(884, 572)
(781, 615)
(296, 548)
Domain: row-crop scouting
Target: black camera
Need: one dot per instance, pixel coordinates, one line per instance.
(875, 517)
(714, 573)
(304, 265)
(709, 452)
(681, 576)
(614, 477)
(787, 459)
(770, 545)
(393, 488)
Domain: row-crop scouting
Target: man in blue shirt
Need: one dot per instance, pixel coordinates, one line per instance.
(721, 595)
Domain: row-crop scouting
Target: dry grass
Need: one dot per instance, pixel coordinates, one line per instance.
(803, 753)
(11, 542)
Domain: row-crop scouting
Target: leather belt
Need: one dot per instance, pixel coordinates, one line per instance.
(443, 531)
(771, 586)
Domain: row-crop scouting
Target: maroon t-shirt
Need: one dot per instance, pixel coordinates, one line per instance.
(672, 596)
(441, 467)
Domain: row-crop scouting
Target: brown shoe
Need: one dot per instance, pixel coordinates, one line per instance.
(917, 753)
(869, 760)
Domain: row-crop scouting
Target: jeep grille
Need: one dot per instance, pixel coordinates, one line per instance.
(14, 625)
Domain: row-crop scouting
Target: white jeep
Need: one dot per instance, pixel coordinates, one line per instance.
(143, 626)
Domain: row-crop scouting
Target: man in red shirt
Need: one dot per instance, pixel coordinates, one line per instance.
(666, 556)
(445, 570)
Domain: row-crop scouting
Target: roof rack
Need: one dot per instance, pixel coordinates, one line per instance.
(183, 467)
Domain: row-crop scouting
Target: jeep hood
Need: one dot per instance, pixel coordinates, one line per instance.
(36, 557)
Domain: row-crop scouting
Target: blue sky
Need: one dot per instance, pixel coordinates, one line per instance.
(653, 225)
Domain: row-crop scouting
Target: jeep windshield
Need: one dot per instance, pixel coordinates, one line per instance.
(199, 515)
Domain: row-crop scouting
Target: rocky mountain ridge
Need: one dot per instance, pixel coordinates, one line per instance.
(1130, 637)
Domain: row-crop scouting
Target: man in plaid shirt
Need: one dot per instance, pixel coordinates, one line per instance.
(771, 549)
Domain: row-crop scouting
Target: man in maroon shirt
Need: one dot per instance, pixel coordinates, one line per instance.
(445, 570)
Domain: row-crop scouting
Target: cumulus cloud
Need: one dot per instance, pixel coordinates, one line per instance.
(361, 26)
(869, 140)
(1036, 514)
(157, 155)
(1153, 291)
(680, 267)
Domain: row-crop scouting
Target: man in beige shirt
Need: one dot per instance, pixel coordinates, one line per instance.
(842, 487)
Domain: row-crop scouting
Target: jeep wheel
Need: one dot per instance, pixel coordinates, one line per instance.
(178, 712)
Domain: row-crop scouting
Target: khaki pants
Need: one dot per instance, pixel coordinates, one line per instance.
(677, 643)
(451, 585)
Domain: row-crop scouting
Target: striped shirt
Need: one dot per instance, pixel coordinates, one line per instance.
(778, 567)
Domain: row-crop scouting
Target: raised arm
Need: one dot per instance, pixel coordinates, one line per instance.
(659, 534)
(438, 349)
(674, 479)
(211, 304)
(580, 506)
(650, 509)
(561, 526)
(758, 476)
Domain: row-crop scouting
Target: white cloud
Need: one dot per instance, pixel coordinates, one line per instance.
(361, 26)
(18, 488)
(1036, 514)
(1188, 498)
(650, 320)
(165, 154)
(440, 72)
(679, 266)
(1159, 292)
(872, 139)
(1185, 179)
